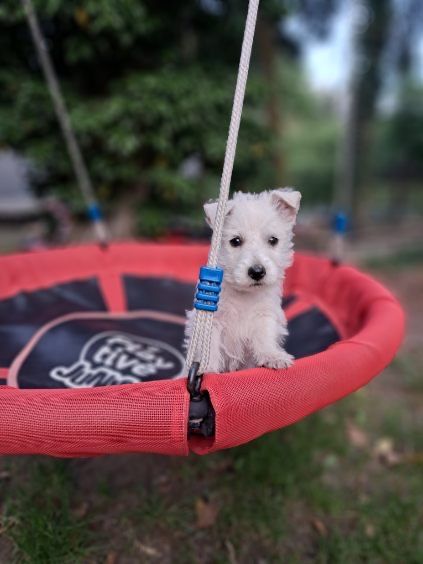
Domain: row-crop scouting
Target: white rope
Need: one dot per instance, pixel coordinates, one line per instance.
(199, 347)
(62, 114)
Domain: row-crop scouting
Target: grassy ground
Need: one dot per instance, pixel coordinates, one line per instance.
(343, 486)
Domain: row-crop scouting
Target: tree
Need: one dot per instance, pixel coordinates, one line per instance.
(370, 43)
(149, 85)
(383, 47)
(146, 92)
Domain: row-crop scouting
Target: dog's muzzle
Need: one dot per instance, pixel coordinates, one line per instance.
(257, 272)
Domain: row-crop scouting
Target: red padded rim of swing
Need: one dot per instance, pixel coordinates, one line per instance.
(152, 416)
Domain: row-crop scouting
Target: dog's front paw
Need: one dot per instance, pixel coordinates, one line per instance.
(280, 359)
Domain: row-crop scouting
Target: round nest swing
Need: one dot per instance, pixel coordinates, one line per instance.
(91, 337)
(90, 317)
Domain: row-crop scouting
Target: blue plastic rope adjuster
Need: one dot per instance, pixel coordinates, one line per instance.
(94, 213)
(208, 288)
(340, 223)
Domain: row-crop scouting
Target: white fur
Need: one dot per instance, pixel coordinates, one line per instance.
(249, 326)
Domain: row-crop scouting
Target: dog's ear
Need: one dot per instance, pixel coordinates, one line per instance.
(210, 209)
(287, 200)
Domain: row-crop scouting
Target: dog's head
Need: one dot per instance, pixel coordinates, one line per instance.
(257, 237)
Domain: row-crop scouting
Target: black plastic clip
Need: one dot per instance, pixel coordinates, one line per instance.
(201, 413)
(194, 380)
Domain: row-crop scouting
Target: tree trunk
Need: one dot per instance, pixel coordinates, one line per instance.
(369, 45)
(268, 55)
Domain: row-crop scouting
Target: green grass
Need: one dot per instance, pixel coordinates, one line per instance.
(42, 525)
(309, 466)
(395, 534)
(410, 368)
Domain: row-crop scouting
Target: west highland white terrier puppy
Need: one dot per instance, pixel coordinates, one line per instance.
(249, 327)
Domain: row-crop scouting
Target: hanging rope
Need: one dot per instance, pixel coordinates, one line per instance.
(80, 169)
(199, 347)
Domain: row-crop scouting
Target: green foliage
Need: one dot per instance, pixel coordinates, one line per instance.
(310, 137)
(145, 92)
(310, 152)
(150, 84)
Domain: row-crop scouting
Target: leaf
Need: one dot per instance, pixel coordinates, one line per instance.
(356, 436)
(384, 450)
(111, 558)
(231, 552)
(319, 527)
(81, 511)
(414, 458)
(7, 524)
(224, 466)
(147, 550)
(82, 18)
(206, 512)
(370, 530)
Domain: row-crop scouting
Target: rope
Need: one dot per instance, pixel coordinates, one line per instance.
(80, 169)
(199, 347)
(345, 161)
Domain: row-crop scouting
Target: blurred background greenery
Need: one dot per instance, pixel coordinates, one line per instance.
(334, 106)
(149, 85)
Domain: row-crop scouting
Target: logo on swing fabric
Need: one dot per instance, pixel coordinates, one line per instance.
(112, 358)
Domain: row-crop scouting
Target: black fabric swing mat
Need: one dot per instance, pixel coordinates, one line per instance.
(64, 336)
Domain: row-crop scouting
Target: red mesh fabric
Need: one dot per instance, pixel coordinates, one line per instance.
(44, 268)
(152, 417)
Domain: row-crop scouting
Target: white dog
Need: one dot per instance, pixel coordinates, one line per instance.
(249, 326)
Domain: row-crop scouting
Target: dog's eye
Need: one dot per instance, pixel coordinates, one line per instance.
(273, 241)
(235, 242)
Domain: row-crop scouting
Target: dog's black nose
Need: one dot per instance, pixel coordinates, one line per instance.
(256, 272)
